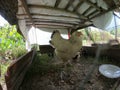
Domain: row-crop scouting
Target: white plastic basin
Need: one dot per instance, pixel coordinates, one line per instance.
(110, 71)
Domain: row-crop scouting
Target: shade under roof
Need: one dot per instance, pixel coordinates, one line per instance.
(66, 14)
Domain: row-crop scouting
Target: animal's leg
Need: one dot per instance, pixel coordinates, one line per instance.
(76, 58)
(63, 73)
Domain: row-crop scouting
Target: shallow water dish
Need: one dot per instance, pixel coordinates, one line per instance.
(110, 71)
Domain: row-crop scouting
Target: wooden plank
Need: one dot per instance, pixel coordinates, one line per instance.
(52, 21)
(50, 25)
(24, 3)
(83, 26)
(70, 2)
(92, 4)
(78, 5)
(103, 12)
(87, 10)
(51, 15)
(16, 71)
(110, 3)
(82, 17)
(57, 18)
(110, 52)
(92, 13)
(53, 9)
(57, 3)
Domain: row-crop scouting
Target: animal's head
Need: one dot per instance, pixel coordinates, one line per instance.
(55, 32)
(77, 34)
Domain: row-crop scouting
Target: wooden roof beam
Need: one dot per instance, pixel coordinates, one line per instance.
(53, 22)
(84, 26)
(51, 8)
(87, 10)
(24, 3)
(49, 15)
(57, 3)
(77, 6)
(82, 17)
(50, 25)
(106, 2)
(92, 4)
(70, 2)
(90, 14)
(75, 10)
(99, 14)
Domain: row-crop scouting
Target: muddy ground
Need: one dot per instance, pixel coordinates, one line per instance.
(73, 77)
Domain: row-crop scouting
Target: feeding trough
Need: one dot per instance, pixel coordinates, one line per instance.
(110, 71)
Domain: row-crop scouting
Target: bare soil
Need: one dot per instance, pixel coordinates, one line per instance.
(75, 77)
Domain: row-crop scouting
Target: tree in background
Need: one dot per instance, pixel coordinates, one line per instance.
(11, 42)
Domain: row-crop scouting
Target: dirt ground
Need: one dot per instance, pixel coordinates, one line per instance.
(75, 77)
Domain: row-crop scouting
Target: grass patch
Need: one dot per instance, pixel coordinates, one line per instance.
(42, 64)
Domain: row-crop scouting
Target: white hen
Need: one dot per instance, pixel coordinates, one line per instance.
(66, 49)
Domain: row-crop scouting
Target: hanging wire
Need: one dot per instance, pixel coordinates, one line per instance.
(115, 22)
(89, 35)
(35, 35)
(37, 46)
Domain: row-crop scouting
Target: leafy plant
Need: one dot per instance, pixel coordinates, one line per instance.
(11, 42)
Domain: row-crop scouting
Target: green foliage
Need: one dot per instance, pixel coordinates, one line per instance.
(42, 65)
(97, 35)
(9, 37)
(11, 42)
(18, 51)
(113, 31)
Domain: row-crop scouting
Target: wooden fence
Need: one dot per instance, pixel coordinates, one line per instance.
(17, 70)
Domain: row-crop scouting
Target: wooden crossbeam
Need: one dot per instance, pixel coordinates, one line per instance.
(50, 18)
(83, 26)
(50, 8)
(87, 10)
(106, 1)
(53, 22)
(92, 4)
(51, 26)
(82, 17)
(51, 15)
(57, 3)
(109, 2)
(24, 3)
(70, 2)
(103, 12)
(90, 14)
(77, 6)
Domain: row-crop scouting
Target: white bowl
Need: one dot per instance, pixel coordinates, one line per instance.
(110, 71)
